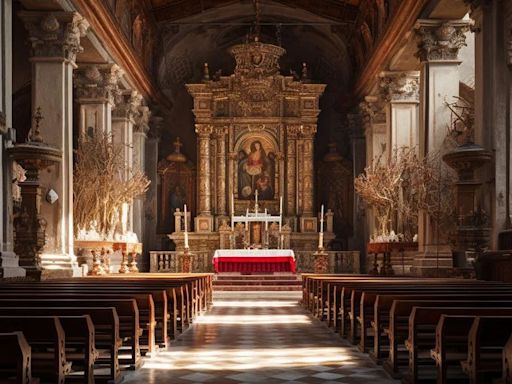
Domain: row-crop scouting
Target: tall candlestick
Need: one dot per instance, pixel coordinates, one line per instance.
(185, 224)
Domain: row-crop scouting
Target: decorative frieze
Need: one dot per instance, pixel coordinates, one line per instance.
(440, 40)
(100, 82)
(55, 34)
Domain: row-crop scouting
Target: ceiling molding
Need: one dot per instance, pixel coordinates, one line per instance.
(402, 22)
(104, 25)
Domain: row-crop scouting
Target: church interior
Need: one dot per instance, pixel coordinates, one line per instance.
(246, 191)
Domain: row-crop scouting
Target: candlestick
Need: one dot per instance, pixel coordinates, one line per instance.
(266, 222)
(232, 204)
(186, 232)
(256, 202)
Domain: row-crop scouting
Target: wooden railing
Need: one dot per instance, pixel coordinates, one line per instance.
(170, 261)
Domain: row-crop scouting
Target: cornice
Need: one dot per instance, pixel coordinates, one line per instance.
(103, 24)
(403, 21)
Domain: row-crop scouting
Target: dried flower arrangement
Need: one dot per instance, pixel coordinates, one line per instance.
(102, 184)
(402, 186)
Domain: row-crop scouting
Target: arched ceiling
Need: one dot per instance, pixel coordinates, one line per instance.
(205, 32)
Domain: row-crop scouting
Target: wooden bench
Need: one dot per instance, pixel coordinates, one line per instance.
(47, 342)
(15, 359)
(422, 335)
(507, 362)
(486, 342)
(106, 328)
(127, 311)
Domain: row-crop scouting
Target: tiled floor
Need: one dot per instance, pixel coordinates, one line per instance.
(260, 338)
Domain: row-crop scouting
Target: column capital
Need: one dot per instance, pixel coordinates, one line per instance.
(204, 130)
(440, 40)
(127, 105)
(55, 34)
(400, 86)
(308, 130)
(293, 130)
(142, 119)
(98, 82)
(221, 132)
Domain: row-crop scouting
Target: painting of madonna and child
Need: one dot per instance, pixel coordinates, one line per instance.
(256, 171)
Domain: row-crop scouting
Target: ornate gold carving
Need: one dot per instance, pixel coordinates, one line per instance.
(256, 59)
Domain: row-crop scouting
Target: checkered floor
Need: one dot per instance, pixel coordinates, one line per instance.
(266, 338)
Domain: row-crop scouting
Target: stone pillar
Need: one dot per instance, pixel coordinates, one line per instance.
(55, 42)
(222, 194)
(140, 131)
(291, 171)
(401, 91)
(150, 238)
(97, 87)
(204, 222)
(493, 87)
(9, 263)
(439, 42)
(360, 238)
(123, 120)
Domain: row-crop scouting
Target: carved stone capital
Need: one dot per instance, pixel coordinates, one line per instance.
(127, 105)
(98, 82)
(221, 132)
(142, 119)
(204, 130)
(55, 34)
(440, 40)
(400, 86)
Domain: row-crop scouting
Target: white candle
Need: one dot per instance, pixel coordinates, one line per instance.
(233, 212)
(247, 219)
(280, 212)
(266, 221)
(186, 232)
(322, 219)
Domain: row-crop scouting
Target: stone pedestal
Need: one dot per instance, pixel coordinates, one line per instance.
(321, 263)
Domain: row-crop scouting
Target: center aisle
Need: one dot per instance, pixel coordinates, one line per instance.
(265, 337)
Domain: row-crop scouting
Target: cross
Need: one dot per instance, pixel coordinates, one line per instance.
(177, 145)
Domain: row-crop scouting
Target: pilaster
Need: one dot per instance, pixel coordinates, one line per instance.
(97, 87)
(438, 42)
(55, 41)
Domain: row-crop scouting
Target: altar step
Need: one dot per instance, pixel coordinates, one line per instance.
(256, 282)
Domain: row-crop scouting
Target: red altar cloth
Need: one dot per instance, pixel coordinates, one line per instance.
(256, 261)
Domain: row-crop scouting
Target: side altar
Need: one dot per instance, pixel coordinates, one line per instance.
(255, 137)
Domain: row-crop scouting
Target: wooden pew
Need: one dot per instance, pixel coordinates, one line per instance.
(507, 362)
(47, 342)
(486, 341)
(127, 312)
(422, 326)
(15, 358)
(106, 332)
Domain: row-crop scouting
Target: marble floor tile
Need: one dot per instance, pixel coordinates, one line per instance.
(258, 339)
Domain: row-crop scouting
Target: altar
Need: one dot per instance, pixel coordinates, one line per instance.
(254, 260)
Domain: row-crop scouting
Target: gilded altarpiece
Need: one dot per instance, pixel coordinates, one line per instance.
(255, 131)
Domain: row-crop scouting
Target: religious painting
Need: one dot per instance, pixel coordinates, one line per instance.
(256, 171)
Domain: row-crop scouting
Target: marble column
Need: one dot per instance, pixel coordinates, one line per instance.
(439, 42)
(123, 120)
(55, 41)
(401, 91)
(97, 86)
(291, 170)
(141, 128)
(221, 133)
(9, 261)
(204, 223)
